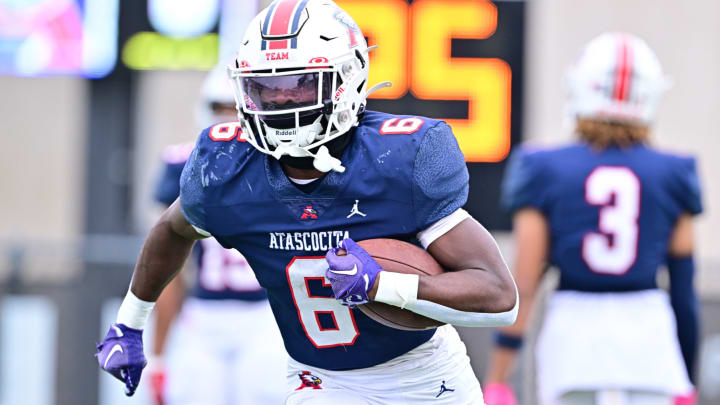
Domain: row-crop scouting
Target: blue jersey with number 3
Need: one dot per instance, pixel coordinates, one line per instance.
(610, 213)
(403, 173)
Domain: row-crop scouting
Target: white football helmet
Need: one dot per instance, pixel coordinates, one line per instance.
(300, 79)
(217, 101)
(616, 77)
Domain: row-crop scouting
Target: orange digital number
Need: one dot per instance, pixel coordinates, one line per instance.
(385, 23)
(423, 64)
(484, 82)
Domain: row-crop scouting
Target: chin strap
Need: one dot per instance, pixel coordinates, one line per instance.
(323, 161)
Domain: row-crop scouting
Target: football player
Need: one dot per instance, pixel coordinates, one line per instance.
(210, 354)
(608, 211)
(280, 185)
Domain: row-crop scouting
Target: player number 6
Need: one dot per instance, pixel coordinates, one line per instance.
(226, 131)
(396, 126)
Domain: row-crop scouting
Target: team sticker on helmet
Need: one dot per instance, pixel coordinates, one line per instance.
(344, 18)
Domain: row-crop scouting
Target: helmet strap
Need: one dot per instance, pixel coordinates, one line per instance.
(335, 147)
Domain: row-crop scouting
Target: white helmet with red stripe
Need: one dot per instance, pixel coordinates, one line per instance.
(616, 77)
(300, 80)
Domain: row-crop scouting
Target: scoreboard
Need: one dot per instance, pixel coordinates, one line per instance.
(456, 60)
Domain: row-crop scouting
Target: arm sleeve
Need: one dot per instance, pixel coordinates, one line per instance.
(685, 306)
(167, 188)
(192, 192)
(440, 177)
(522, 184)
(687, 186)
(441, 227)
(461, 318)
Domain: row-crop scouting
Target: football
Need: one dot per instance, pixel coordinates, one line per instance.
(400, 257)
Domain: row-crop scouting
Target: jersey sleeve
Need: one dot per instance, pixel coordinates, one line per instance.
(167, 188)
(522, 184)
(686, 185)
(440, 176)
(192, 189)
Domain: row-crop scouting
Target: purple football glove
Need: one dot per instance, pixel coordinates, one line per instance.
(121, 354)
(351, 275)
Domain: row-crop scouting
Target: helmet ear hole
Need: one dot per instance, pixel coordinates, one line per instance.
(360, 57)
(359, 89)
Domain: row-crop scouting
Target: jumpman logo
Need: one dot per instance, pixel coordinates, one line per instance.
(355, 210)
(443, 389)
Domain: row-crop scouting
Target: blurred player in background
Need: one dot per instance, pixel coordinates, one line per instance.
(608, 211)
(216, 360)
(280, 186)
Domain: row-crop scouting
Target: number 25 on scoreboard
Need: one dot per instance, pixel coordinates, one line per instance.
(433, 74)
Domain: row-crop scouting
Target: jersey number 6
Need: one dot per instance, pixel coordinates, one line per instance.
(310, 307)
(227, 131)
(395, 126)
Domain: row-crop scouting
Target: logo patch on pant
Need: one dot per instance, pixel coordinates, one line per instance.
(443, 389)
(307, 380)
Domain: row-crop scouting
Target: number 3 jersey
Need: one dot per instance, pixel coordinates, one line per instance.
(610, 213)
(221, 273)
(402, 174)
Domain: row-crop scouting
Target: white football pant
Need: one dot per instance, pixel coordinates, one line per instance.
(436, 372)
(595, 342)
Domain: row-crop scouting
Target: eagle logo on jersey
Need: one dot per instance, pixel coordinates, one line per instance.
(309, 213)
(308, 380)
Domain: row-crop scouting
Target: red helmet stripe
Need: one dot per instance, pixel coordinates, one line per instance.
(280, 23)
(623, 72)
(353, 40)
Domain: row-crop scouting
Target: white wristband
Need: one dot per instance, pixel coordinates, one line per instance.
(134, 312)
(397, 289)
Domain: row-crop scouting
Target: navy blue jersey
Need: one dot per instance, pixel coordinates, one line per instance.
(221, 273)
(610, 213)
(402, 172)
